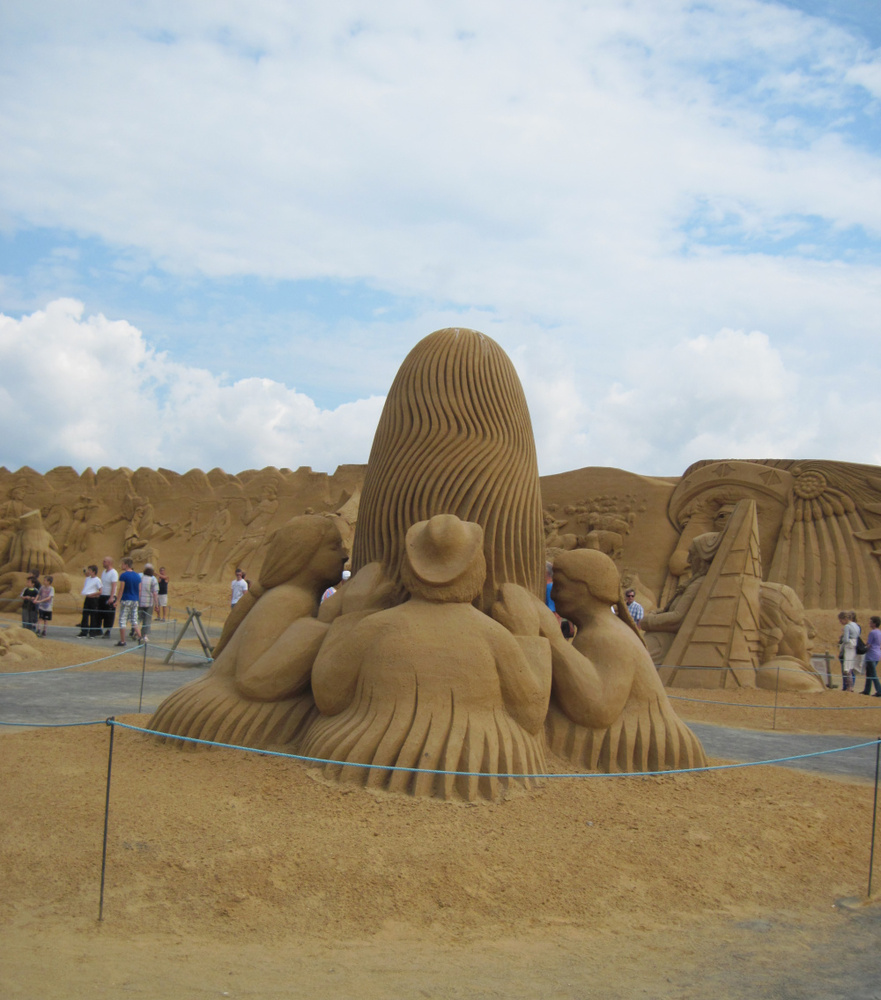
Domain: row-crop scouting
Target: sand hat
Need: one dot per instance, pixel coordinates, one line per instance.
(442, 549)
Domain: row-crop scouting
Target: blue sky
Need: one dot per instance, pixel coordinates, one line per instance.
(234, 222)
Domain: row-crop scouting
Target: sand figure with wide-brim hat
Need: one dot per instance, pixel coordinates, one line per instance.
(433, 683)
(257, 692)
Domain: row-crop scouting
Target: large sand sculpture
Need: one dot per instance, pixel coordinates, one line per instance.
(439, 655)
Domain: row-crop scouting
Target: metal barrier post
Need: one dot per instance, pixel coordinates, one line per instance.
(143, 672)
(874, 817)
(110, 722)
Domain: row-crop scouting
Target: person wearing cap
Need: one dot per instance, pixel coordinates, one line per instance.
(433, 683)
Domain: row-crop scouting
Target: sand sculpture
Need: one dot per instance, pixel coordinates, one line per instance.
(724, 626)
(609, 710)
(439, 653)
(432, 683)
(257, 692)
(194, 518)
(455, 437)
(817, 522)
(256, 519)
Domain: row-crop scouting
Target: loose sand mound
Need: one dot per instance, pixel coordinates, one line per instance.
(230, 871)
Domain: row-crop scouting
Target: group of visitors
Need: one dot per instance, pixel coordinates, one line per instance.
(136, 596)
(36, 607)
(852, 647)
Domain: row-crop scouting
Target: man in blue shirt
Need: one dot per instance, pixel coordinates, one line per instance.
(127, 592)
(637, 612)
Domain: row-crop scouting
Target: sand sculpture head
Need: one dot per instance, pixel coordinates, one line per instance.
(444, 559)
(455, 438)
(306, 544)
(584, 572)
(702, 550)
(588, 578)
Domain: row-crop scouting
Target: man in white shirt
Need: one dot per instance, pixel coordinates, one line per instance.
(107, 602)
(90, 623)
(239, 588)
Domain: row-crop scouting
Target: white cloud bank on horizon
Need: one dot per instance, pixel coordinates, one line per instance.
(91, 392)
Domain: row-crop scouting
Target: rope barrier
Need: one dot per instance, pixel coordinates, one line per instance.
(53, 725)
(780, 708)
(73, 666)
(487, 774)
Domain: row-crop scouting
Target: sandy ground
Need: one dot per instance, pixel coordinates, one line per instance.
(235, 874)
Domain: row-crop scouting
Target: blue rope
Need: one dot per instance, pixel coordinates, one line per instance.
(488, 774)
(73, 666)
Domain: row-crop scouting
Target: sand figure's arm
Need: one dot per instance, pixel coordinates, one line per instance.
(589, 694)
(669, 621)
(336, 669)
(522, 659)
(283, 670)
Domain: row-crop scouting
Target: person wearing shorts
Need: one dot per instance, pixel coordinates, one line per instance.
(163, 594)
(43, 601)
(127, 598)
(148, 600)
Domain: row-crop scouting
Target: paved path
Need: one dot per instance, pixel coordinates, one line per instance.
(750, 744)
(86, 695)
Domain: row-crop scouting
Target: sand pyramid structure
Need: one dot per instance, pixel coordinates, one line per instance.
(721, 629)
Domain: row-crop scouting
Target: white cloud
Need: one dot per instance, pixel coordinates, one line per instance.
(601, 187)
(729, 395)
(91, 392)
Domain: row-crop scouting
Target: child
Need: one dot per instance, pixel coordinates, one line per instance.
(28, 608)
(43, 601)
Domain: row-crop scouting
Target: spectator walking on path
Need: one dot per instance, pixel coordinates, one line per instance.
(43, 602)
(873, 655)
(847, 649)
(107, 602)
(148, 599)
(90, 623)
(128, 590)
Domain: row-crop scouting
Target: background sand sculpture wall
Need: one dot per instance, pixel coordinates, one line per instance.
(819, 522)
(191, 523)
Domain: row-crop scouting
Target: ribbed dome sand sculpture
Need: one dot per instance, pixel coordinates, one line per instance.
(439, 655)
